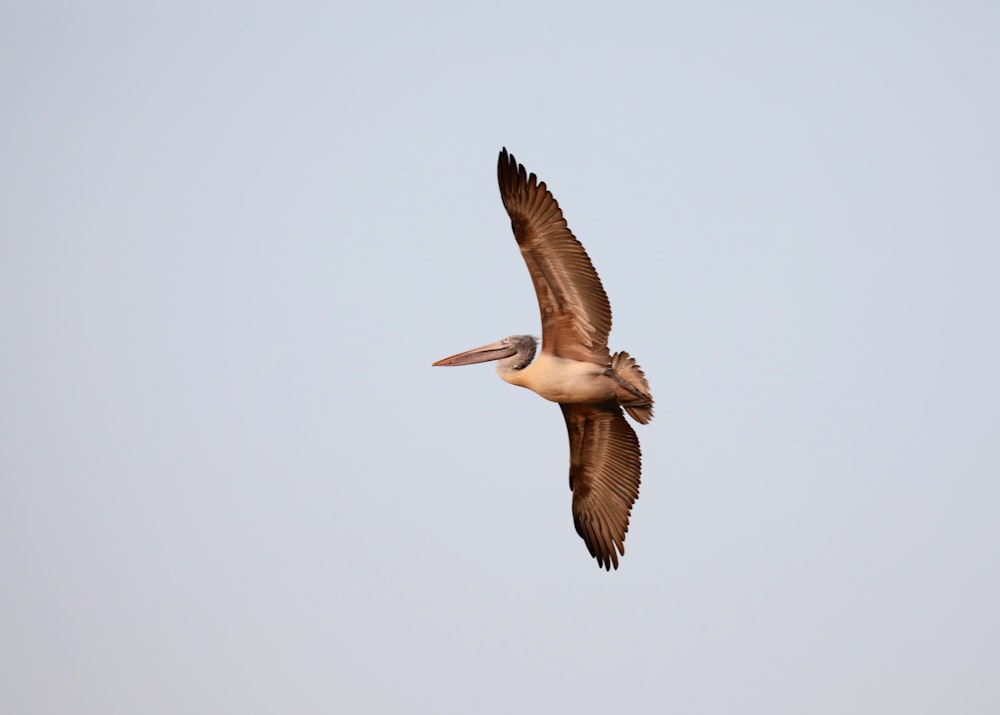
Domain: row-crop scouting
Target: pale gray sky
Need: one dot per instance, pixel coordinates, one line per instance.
(235, 237)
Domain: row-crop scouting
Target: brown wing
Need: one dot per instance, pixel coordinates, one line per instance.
(604, 466)
(576, 315)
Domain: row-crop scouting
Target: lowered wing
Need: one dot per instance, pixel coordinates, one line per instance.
(604, 467)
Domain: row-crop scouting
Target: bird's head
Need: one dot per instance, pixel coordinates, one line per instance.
(515, 353)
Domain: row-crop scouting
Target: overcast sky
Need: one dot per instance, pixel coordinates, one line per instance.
(233, 239)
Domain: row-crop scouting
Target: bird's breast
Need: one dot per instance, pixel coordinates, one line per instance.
(565, 381)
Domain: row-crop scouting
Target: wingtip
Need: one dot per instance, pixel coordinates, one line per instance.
(506, 159)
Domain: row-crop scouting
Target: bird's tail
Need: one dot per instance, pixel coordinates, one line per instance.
(633, 391)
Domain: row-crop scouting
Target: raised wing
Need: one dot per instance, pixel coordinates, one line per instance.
(604, 467)
(576, 315)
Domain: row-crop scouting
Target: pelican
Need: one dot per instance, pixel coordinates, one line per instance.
(575, 367)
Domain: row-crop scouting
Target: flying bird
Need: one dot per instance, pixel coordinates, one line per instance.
(575, 367)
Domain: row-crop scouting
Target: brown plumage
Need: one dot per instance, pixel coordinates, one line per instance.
(576, 314)
(604, 466)
(575, 367)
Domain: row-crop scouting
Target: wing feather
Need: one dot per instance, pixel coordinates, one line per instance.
(576, 314)
(604, 471)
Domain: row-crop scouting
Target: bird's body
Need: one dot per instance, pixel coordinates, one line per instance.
(565, 381)
(575, 367)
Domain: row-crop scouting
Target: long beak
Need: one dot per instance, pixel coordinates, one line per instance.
(493, 351)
